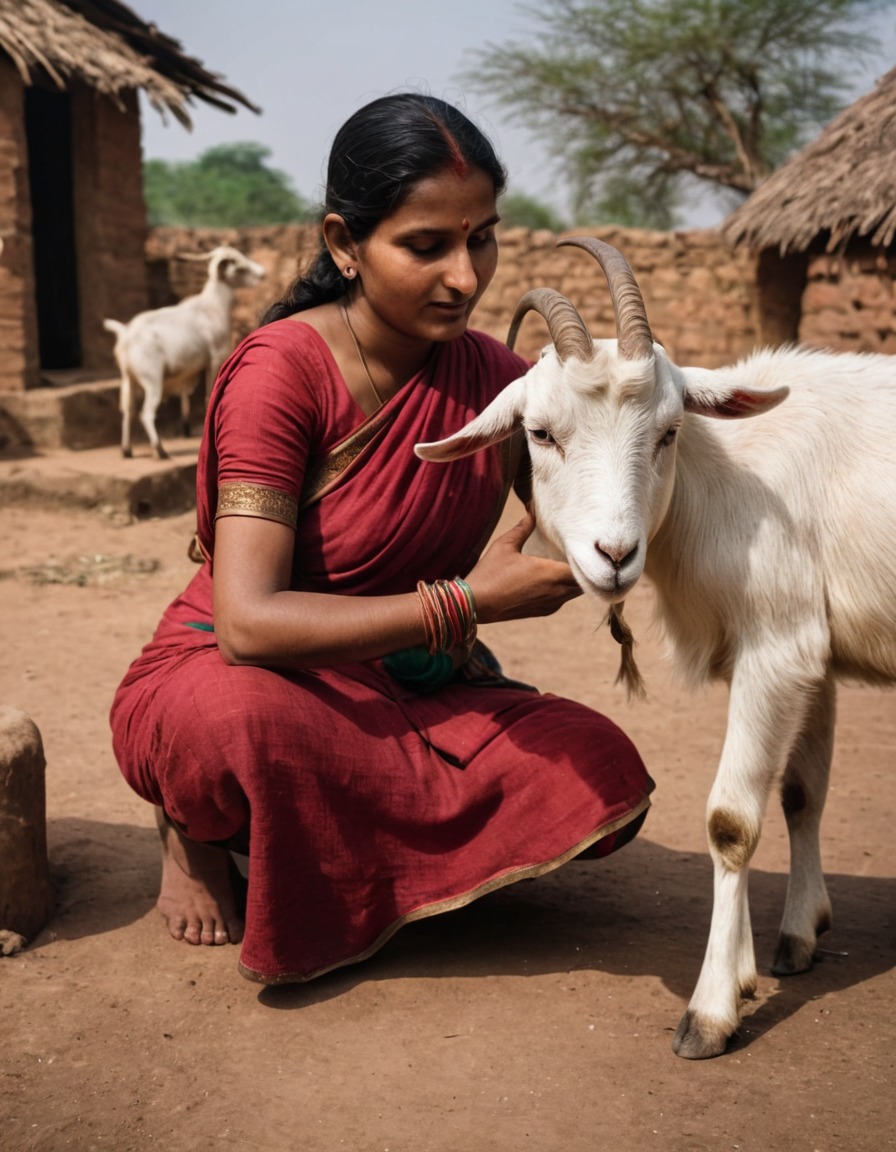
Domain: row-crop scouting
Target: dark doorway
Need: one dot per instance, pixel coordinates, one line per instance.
(780, 283)
(48, 127)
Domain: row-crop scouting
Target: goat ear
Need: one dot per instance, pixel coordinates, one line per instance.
(709, 393)
(495, 422)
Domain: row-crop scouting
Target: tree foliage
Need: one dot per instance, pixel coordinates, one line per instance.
(643, 99)
(228, 186)
(519, 210)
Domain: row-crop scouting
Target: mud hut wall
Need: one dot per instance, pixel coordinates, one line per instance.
(19, 356)
(110, 218)
(849, 302)
(699, 295)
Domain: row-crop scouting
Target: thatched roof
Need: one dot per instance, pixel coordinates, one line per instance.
(842, 185)
(106, 45)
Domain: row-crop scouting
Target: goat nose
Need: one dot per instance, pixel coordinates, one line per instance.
(617, 554)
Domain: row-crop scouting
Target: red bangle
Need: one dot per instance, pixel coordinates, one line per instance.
(449, 615)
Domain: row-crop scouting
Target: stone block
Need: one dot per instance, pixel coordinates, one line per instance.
(25, 895)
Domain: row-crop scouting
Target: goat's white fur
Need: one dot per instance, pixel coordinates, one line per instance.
(170, 350)
(772, 548)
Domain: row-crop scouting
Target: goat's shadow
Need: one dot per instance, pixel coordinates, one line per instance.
(644, 911)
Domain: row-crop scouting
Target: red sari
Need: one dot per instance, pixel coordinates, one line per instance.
(366, 804)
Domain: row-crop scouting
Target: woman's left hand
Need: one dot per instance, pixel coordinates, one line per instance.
(508, 584)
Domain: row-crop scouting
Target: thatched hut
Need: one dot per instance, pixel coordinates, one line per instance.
(824, 228)
(72, 214)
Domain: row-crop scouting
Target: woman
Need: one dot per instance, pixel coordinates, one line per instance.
(316, 697)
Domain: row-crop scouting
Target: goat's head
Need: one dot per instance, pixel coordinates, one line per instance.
(228, 265)
(601, 419)
(233, 268)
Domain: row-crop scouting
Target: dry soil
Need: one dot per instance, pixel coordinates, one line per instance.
(538, 1018)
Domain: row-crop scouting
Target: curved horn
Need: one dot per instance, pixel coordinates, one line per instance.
(632, 329)
(567, 328)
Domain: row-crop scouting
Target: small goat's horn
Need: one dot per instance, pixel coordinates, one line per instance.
(203, 256)
(568, 332)
(632, 329)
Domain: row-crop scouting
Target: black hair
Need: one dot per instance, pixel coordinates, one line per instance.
(378, 156)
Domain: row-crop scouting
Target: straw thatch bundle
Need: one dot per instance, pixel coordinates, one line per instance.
(842, 185)
(107, 46)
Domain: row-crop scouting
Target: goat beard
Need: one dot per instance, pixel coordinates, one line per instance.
(629, 673)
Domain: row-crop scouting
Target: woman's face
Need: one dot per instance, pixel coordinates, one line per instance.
(423, 269)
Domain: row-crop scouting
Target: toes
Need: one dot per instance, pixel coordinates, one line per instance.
(216, 932)
(194, 934)
(210, 930)
(176, 927)
(212, 933)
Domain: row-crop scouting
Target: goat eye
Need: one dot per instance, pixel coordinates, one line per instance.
(540, 436)
(669, 436)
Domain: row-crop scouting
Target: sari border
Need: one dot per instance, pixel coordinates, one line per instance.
(241, 498)
(323, 475)
(524, 872)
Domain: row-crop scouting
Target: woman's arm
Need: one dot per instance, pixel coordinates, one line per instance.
(258, 620)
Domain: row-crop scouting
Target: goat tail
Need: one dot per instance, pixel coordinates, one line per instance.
(628, 668)
(115, 326)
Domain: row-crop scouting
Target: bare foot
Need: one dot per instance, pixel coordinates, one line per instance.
(196, 897)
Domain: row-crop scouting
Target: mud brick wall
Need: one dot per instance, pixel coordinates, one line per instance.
(110, 218)
(109, 221)
(699, 295)
(849, 302)
(18, 322)
(702, 297)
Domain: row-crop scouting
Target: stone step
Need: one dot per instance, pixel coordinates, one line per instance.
(101, 479)
(78, 410)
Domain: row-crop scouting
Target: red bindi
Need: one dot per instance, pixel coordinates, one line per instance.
(465, 224)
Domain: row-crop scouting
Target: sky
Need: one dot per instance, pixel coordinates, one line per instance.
(309, 64)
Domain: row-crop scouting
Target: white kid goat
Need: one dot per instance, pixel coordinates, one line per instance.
(772, 547)
(170, 350)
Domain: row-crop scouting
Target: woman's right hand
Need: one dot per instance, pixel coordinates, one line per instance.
(509, 585)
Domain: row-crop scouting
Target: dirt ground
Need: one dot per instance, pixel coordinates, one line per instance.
(538, 1018)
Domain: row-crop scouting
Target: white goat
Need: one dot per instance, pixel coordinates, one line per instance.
(772, 547)
(170, 350)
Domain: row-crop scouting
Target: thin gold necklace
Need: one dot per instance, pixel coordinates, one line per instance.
(361, 356)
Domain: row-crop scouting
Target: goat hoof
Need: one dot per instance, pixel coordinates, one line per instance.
(697, 1038)
(793, 955)
(161, 454)
(127, 453)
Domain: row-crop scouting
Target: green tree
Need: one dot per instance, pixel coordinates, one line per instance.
(644, 100)
(519, 210)
(228, 186)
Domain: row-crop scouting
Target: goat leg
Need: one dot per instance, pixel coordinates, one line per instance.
(807, 909)
(769, 702)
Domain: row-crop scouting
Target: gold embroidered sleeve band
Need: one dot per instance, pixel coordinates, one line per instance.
(237, 498)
